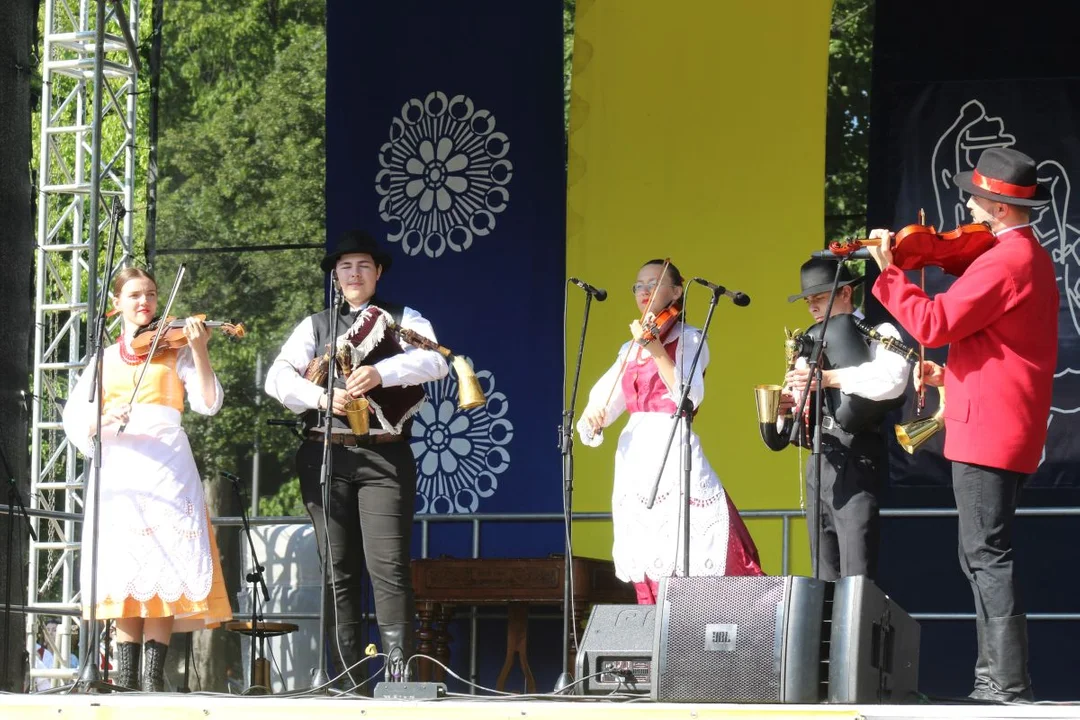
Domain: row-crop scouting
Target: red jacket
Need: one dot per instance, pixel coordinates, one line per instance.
(1000, 320)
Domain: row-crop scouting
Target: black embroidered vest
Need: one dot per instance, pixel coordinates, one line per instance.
(321, 326)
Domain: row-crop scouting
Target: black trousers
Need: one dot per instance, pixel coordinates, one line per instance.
(372, 498)
(986, 501)
(852, 468)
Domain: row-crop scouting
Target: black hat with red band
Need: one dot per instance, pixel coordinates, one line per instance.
(1007, 176)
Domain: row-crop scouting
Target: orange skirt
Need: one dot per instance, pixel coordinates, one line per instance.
(188, 614)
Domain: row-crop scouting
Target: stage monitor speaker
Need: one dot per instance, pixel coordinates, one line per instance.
(873, 646)
(615, 654)
(739, 639)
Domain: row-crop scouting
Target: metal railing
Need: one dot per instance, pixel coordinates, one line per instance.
(477, 520)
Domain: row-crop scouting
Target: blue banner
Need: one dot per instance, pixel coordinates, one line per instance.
(445, 140)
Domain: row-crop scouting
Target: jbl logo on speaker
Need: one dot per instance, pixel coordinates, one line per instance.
(720, 637)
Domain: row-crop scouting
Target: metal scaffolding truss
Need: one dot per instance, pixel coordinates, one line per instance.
(86, 158)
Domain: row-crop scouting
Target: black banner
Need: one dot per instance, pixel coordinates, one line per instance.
(934, 112)
(949, 81)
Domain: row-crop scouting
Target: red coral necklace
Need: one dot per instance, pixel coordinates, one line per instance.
(129, 356)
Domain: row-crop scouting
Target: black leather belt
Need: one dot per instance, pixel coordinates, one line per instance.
(350, 440)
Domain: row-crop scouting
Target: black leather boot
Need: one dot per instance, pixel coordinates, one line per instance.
(127, 665)
(397, 644)
(348, 658)
(153, 671)
(1007, 661)
(982, 665)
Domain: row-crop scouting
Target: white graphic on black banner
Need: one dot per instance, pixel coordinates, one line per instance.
(958, 150)
(444, 175)
(460, 453)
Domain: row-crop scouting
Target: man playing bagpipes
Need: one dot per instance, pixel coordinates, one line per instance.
(372, 492)
(863, 380)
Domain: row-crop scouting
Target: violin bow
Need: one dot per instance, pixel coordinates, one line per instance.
(626, 357)
(157, 337)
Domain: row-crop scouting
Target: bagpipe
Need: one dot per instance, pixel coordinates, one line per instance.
(375, 337)
(846, 346)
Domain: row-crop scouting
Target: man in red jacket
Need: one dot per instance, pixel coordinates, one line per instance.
(1000, 320)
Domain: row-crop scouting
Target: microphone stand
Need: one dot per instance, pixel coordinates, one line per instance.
(320, 678)
(819, 394)
(293, 425)
(89, 678)
(255, 577)
(566, 449)
(684, 411)
(14, 501)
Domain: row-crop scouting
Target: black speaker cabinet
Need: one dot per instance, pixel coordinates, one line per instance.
(615, 654)
(873, 647)
(739, 639)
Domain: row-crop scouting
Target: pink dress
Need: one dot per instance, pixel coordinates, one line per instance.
(646, 543)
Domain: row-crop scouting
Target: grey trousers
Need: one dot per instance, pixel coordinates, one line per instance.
(986, 500)
(372, 499)
(852, 468)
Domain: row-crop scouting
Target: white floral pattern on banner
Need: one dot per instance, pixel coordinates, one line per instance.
(459, 453)
(444, 175)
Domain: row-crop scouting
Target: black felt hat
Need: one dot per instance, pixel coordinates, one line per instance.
(817, 274)
(357, 241)
(1007, 176)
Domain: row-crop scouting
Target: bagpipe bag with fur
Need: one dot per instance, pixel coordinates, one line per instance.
(371, 339)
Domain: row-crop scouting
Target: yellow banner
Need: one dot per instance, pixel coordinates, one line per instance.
(697, 132)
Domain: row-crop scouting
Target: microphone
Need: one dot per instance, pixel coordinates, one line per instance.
(599, 293)
(739, 298)
(335, 289)
(286, 423)
(860, 254)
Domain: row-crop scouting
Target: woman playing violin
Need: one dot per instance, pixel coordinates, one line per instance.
(158, 570)
(644, 381)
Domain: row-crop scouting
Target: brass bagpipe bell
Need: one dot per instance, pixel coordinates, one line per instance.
(767, 399)
(470, 395)
(912, 434)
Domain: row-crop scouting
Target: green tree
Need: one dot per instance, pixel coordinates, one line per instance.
(242, 158)
(847, 132)
(286, 502)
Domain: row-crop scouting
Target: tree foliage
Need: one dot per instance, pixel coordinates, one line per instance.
(242, 156)
(847, 132)
(243, 162)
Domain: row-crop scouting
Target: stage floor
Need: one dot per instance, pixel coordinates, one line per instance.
(200, 707)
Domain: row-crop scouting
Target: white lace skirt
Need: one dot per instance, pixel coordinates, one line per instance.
(647, 540)
(154, 537)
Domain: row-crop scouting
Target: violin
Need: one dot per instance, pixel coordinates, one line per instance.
(173, 337)
(659, 325)
(918, 246)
